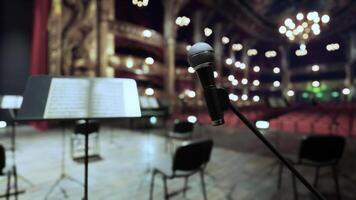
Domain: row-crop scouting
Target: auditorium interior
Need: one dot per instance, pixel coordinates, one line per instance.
(178, 99)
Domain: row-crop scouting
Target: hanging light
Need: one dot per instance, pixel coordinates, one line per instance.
(129, 63)
(233, 97)
(299, 16)
(290, 93)
(149, 91)
(237, 47)
(299, 28)
(207, 31)
(149, 61)
(147, 33)
(325, 19)
(276, 83)
(282, 29)
(244, 81)
(140, 3)
(315, 68)
(225, 40)
(315, 83)
(333, 47)
(256, 98)
(191, 70)
(346, 91)
(182, 21)
(276, 70)
(256, 68)
(244, 97)
(256, 82)
(252, 52)
(191, 93)
(270, 54)
(231, 77)
(228, 61)
(240, 65)
(234, 82)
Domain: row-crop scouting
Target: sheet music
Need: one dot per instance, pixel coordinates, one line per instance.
(11, 102)
(143, 102)
(107, 98)
(152, 102)
(67, 98)
(148, 102)
(79, 98)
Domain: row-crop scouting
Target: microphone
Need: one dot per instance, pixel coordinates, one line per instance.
(201, 58)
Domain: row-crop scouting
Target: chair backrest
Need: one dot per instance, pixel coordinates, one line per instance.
(183, 127)
(2, 159)
(322, 148)
(192, 155)
(92, 127)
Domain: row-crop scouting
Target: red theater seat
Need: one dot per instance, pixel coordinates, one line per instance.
(289, 125)
(275, 124)
(322, 128)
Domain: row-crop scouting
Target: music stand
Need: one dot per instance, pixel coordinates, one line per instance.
(12, 103)
(68, 98)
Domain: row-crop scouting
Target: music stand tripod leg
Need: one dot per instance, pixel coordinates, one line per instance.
(52, 188)
(63, 174)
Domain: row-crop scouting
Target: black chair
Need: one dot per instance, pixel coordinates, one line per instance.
(318, 151)
(9, 173)
(77, 140)
(182, 130)
(189, 159)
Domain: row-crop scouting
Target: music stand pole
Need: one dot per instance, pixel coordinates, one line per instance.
(225, 103)
(13, 147)
(86, 160)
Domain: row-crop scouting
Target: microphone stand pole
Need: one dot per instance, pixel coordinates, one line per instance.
(227, 104)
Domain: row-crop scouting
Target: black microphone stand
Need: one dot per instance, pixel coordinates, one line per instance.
(226, 104)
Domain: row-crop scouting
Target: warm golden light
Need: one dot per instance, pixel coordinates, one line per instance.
(299, 28)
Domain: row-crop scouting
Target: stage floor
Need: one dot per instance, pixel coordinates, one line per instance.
(240, 167)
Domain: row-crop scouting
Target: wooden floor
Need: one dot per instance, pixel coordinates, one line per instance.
(240, 168)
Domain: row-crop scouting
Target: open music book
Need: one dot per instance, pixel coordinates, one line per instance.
(80, 98)
(10, 102)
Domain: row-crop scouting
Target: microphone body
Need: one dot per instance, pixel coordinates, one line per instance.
(201, 58)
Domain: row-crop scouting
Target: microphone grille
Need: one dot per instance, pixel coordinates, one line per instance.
(199, 53)
(198, 48)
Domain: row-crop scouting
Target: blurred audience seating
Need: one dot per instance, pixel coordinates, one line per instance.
(323, 119)
(253, 113)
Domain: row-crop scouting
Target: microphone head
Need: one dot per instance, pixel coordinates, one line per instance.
(200, 53)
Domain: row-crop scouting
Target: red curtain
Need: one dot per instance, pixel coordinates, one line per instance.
(39, 51)
(39, 59)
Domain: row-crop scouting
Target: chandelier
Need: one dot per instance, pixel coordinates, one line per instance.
(303, 27)
(140, 3)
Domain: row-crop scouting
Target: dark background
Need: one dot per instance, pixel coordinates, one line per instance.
(15, 45)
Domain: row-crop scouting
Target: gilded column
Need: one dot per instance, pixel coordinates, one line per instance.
(171, 10)
(54, 38)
